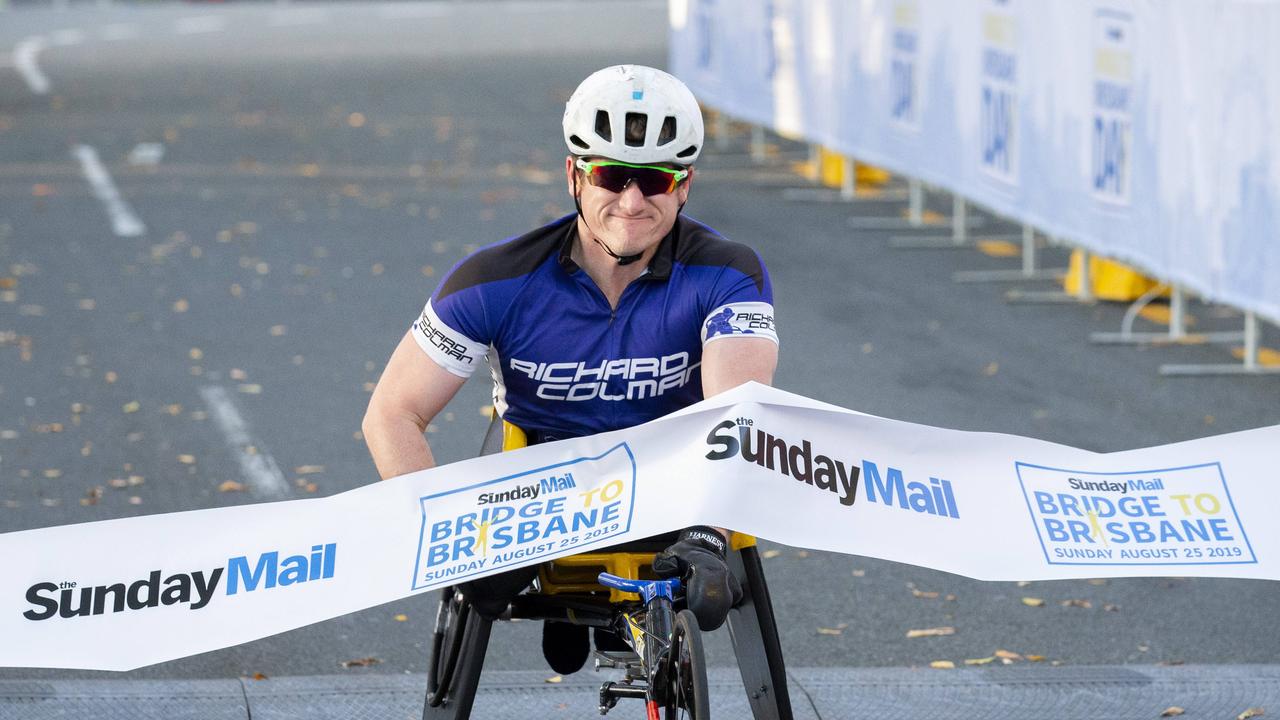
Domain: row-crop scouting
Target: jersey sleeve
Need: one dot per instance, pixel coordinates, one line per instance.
(742, 303)
(451, 333)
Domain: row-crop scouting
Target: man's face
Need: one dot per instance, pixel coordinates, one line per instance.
(628, 222)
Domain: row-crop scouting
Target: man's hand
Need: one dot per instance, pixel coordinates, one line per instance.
(698, 558)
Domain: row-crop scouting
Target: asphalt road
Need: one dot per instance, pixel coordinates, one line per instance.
(306, 173)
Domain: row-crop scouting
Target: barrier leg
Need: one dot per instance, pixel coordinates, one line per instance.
(959, 230)
(1027, 272)
(915, 202)
(754, 633)
(757, 144)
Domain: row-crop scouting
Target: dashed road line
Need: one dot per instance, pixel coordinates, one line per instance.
(200, 24)
(257, 467)
(69, 36)
(118, 31)
(408, 11)
(25, 55)
(124, 222)
(298, 17)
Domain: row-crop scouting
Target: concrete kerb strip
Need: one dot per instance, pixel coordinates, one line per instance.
(1020, 690)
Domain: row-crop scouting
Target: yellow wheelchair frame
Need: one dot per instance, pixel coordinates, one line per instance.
(454, 674)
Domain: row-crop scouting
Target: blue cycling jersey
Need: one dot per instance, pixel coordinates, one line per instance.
(566, 364)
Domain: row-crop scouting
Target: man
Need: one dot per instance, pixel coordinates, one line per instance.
(613, 316)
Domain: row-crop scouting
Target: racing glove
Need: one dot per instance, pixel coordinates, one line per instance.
(698, 558)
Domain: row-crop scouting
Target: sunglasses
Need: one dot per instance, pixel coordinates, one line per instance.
(615, 176)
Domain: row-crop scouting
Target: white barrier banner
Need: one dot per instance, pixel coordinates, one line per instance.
(1144, 131)
(121, 594)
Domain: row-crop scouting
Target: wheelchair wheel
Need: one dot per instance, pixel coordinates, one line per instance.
(446, 644)
(688, 697)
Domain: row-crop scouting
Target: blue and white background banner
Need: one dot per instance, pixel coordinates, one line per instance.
(1145, 131)
(121, 594)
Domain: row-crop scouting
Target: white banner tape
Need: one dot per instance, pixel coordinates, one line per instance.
(121, 594)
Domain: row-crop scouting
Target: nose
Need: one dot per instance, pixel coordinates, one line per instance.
(631, 198)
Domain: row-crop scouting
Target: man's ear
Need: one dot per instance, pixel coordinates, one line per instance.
(683, 190)
(569, 172)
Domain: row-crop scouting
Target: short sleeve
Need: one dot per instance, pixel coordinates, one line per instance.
(450, 348)
(742, 302)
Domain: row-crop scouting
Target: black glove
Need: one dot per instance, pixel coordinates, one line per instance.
(698, 559)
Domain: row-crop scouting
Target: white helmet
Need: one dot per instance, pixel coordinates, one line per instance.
(635, 114)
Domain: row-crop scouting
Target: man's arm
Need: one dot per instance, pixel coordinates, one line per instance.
(730, 362)
(413, 389)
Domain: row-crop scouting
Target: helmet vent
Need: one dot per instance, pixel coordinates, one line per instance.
(637, 123)
(692, 149)
(602, 125)
(668, 132)
(578, 141)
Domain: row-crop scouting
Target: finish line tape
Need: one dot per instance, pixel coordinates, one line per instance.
(121, 594)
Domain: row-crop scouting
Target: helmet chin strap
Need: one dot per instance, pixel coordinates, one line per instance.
(622, 259)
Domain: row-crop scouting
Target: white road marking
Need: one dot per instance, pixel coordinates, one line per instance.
(406, 11)
(70, 36)
(124, 222)
(118, 31)
(299, 16)
(200, 24)
(146, 154)
(24, 59)
(258, 468)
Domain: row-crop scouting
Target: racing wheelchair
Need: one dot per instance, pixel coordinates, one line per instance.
(616, 590)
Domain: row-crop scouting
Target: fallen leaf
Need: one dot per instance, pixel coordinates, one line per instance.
(308, 469)
(991, 369)
(859, 573)
(173, 409)
(362, 662)
(135, 500)
(1172, 711)
(980, 661)
(942, 665)
(1251, 713)
(93, 496)
(238, 374)
(925, 595)
(770, 554)
(278, 330)
(931, 632)
(181, 305)
(802, 553)
(187, 459)
(259, 676)
(1008, 655)
(1035, 658)
(118, 483)
(837, 630)
(135, 480)
(554, 679)
(1032, 602)
(1097, 581)
(1023, 583)
(401, 618)
(231, 486)
(52, 473)
(251, 389)
(1077, 603)
(131, 406)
